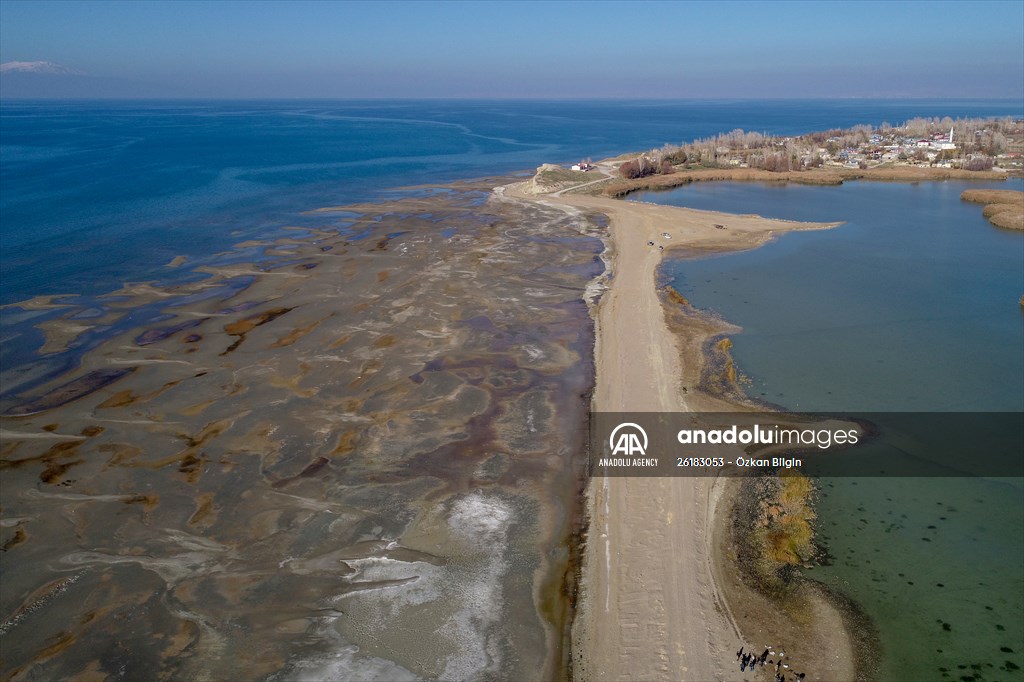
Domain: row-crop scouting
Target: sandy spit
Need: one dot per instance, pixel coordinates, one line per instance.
(652, 605)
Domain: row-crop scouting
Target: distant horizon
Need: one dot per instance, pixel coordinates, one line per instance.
(632, 100)
(227, 50)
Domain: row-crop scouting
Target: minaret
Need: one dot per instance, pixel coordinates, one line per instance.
(951, 136)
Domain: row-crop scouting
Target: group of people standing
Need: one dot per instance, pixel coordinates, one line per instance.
(782, 672)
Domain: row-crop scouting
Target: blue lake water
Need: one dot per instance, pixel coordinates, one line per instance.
(864, 316)
(912, 305)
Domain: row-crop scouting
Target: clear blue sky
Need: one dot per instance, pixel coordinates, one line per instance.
(529, 49)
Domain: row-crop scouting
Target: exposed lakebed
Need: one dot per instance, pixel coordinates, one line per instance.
(358, 455)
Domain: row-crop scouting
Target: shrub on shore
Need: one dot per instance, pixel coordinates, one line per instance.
(774, 529)
(978, 163)
(674, 296)
(642, 166)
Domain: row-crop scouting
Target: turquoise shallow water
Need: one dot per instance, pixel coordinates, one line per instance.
(912, 305)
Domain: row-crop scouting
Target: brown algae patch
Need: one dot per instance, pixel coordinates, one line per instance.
(296, 334)
(242, 327)
(71, 391)
(205, 513)
(19, 537)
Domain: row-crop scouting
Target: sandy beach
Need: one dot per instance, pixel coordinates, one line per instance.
(652, 605)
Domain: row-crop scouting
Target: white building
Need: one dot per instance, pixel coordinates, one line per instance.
(945, 146)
